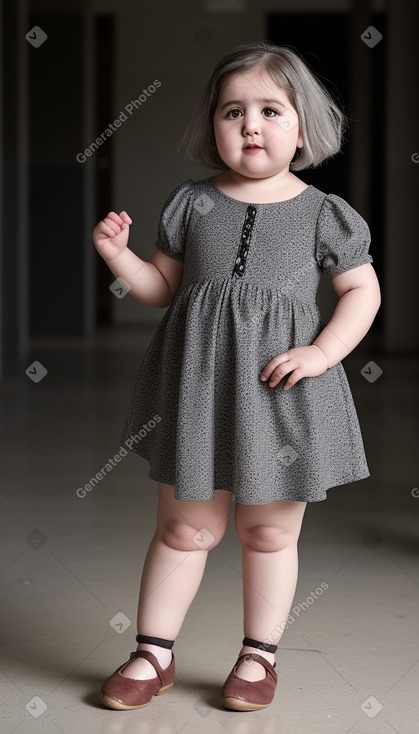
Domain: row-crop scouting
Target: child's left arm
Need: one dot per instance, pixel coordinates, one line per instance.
(359, 300)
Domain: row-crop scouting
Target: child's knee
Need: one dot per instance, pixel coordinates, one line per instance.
(184, 537)
(265, 538)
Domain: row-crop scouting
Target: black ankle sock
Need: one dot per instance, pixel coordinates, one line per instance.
(160, 641)
(261, 645)
(168, 644)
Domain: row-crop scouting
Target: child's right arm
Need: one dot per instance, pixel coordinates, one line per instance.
(154, 282)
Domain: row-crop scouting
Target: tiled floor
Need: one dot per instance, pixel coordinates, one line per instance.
(70, 566)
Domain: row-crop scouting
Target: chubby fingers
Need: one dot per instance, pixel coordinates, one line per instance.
(113, 222)
(276, 368)
(125, 217)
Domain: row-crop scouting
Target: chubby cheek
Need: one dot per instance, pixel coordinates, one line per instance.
(226, 148)
(223, 139)
(291, 139)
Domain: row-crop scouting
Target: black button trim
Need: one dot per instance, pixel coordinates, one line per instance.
(240, 262)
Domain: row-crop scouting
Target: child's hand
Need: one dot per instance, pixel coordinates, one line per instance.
(110, 236)
(300, 361)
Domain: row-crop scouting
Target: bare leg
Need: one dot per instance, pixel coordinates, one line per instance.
(269, 536)
(173, 569)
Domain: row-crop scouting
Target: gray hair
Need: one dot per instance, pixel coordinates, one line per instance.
(322, 122)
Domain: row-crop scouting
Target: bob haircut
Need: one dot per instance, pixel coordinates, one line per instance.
(322, 122)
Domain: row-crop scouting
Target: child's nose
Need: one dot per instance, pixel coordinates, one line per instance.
(251, 125)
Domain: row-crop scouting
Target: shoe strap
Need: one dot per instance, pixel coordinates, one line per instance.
(162, 673)
(259, 659)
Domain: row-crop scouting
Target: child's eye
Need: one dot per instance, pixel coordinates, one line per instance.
(229, 113)
(266, 109)
(270, 109)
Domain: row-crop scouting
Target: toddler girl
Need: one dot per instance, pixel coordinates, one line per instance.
(242, 391)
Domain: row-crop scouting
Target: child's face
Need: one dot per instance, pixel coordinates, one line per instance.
(243, 116)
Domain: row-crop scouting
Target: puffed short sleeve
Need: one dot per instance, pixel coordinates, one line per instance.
(174, 219)
(342, 237)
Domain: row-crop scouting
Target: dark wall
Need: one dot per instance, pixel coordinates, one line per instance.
(56, 221)
(10, 180)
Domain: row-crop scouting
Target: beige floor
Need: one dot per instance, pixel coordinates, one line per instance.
(70, 566)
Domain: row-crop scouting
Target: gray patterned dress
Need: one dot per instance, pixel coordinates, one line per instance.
(199, 413)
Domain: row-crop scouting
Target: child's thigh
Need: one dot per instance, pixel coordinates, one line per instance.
(185, 517)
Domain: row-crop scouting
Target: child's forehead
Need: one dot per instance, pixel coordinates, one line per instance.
(252, 83)
(248, 89)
